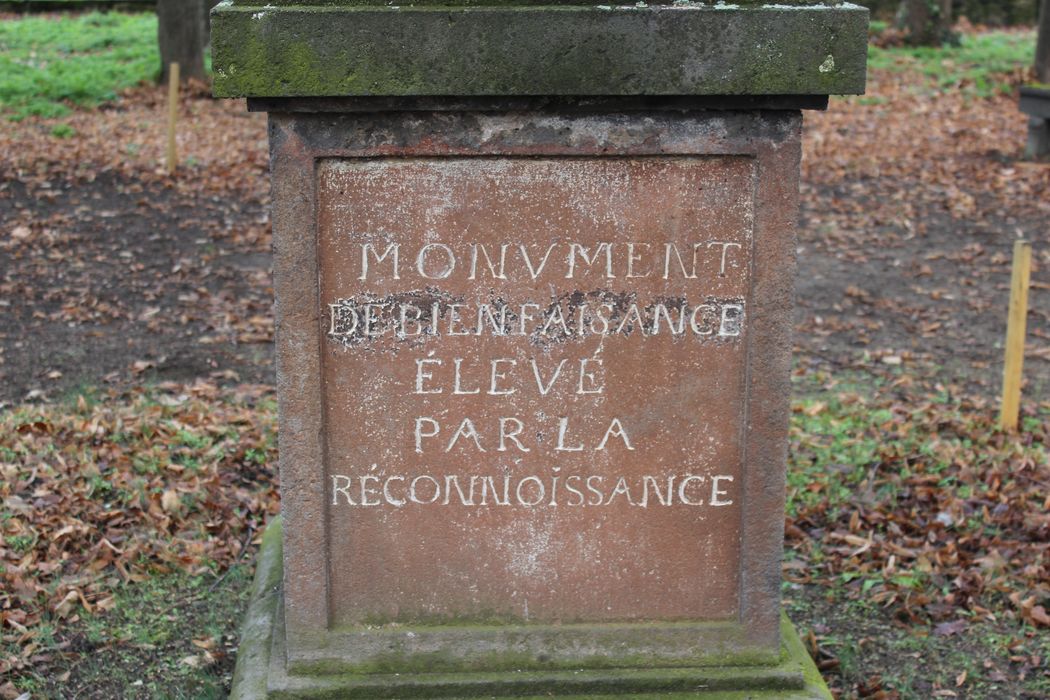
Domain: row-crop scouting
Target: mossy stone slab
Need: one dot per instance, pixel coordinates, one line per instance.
(350, 49)
(460, 3)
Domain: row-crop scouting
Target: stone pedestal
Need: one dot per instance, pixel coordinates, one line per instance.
(262, 667)
(1035, 102)
(533, 272)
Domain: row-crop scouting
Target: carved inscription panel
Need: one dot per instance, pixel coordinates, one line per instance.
(534, 386)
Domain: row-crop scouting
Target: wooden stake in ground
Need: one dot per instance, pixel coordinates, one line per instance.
(173, 113)
(1015, 332)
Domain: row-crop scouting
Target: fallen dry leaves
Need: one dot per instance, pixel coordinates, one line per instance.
(938, 513)
(115, 489)
(912, 196)
(221, 147)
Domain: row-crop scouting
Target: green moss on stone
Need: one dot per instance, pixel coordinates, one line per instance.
(537, 50)
(404, 662)
(488, 3)
(792, 676)
(630, 684)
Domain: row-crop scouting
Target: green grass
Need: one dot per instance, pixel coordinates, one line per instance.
(840, 438)
(835, 445)
(48, 65)
(143, 646)
(979, 65)
(867, 641)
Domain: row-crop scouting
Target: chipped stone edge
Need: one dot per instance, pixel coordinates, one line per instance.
(253, 652)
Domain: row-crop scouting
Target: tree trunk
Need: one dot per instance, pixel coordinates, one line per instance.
(914, 18)
(926, 22)
(180, 33)
(1042, 45)
(206, 8)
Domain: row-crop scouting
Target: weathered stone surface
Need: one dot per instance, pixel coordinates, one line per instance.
(383, 577)
(521, 390)
(684, 48)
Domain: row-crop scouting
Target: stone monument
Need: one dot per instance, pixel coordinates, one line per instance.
(533, 272)
(1035, 102)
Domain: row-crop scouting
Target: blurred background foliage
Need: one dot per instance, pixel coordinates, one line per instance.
(992, 12)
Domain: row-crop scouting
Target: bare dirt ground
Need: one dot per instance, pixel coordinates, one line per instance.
(138, 282)
(910, 208)
(937, 302)
(112, 272)
(132, 280)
